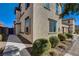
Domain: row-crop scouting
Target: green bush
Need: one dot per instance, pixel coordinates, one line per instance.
(1, 51)
(54, 41)
(0, 37)
(69, 35)
(4, 36)
(61, 37)
(40, 46)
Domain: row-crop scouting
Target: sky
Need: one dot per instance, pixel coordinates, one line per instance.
(76, 17)
(7, 15)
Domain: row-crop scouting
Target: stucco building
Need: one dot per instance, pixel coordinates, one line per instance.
(38, 20)
(69, 25)
(77, 29)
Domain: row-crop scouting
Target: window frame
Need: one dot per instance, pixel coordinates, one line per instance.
(29, 26)
(57, 9)
(55, 26)
(45, 6)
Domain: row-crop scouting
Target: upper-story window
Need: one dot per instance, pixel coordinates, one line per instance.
(57, 8)
(27, 25)
(27, 5)
(47, 6)
(52, 25)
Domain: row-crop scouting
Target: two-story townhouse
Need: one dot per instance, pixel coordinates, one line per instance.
(70, 25)
(38, 20)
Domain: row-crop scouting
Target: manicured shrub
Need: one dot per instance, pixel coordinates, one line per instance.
(54, 52)
(0, 37)
(69, 35)
(4, 37)
(54, 41)
(40, 46)
(61, 37)
(63, 46)
(1, 51)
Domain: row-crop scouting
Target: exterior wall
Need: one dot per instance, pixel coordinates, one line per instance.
(41, 22)
(17, 22)
(59, 25)
(28, 12)
(65, 28)
(73, 26)
(20, 21)
(22, 8)
(77, 29)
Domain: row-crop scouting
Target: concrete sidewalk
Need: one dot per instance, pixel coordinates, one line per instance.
(13, 40)
(75, 48)
(74, 51)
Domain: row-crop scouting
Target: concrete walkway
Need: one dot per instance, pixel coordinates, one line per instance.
(74, 51)
(75, 48)
(14, 41)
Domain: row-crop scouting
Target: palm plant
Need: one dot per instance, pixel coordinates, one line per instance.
(69, 7)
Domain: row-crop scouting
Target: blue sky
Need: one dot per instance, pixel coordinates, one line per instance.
(76, 17)
(7, 15)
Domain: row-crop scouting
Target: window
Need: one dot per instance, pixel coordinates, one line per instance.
(27, 5)
(57, 8)
(52, 25)
(27, 24)
(47, 5)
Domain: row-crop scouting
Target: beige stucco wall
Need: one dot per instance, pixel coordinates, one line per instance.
(17, 22)
(41, 22)
(28, 12)
(22, 7)
(17, 29)
(64, 28)
(74, 26)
